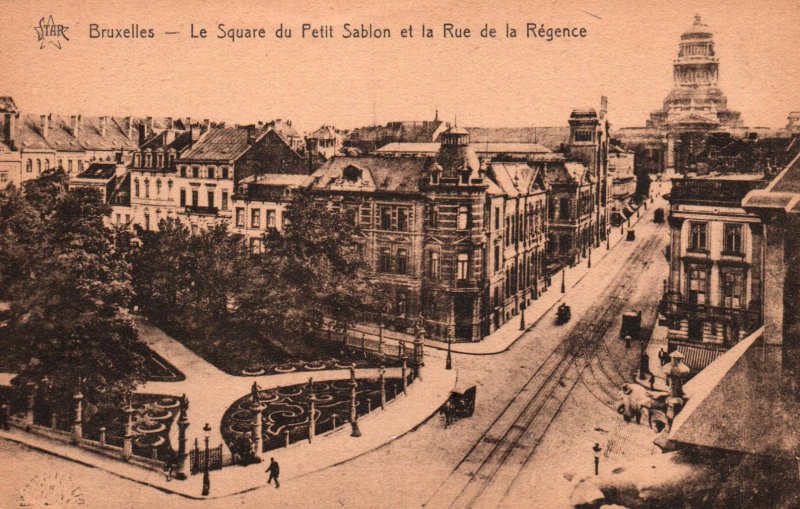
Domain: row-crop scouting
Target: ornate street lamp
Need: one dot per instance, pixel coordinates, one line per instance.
(563, 280)
(206, 480)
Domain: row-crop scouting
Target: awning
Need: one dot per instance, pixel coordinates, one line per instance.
(698, 357)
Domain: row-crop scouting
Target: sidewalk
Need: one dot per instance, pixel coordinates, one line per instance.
(211, 392)
(502, 339)
(402, 415)
(658, 342)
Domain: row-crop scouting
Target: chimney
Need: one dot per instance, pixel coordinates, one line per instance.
(169, 136)
(103, 126)
(603, 106)
(188, 123)
(170, 124)
(75, 121)
(149, 125)
(206, 124)
(194, 133)
(129, 127)
(251, 134)
(44, 125)
(142, 134)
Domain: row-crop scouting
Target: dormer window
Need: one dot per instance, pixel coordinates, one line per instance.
(435, 178)
(351, 174)
(583, 135)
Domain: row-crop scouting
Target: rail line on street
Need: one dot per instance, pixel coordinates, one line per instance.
(485, 475)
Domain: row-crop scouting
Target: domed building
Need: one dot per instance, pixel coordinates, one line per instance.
(696, 105)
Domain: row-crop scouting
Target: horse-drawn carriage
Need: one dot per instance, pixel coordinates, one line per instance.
(460, 404)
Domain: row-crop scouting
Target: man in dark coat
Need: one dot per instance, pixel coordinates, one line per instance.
(274, 470)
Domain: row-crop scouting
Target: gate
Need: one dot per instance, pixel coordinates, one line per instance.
(197, 459)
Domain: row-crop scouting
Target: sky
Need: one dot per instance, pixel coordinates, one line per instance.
(627, 56)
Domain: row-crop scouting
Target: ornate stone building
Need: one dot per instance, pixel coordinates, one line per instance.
(452, 239)
(693, 108)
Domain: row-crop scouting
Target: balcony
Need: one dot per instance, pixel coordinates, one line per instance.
(748, 319)
(205, 211)
(465, 284)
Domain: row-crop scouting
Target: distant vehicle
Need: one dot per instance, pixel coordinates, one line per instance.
(658, 215)
(563, 314)
(462, 401)
(631, 324)
(631, 235)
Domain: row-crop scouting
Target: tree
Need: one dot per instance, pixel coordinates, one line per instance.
(70, 317)
(315, 269)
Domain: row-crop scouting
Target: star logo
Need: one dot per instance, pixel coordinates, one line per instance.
(49, 32)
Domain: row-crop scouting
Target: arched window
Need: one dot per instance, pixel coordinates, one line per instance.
(402, 261)
(29, 166)
(38, 166)
(47, 164)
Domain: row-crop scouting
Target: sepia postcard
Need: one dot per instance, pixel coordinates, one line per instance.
(370, 254)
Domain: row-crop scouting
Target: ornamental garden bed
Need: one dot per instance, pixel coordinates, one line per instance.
(288, 410)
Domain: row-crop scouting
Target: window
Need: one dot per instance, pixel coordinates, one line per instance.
(698, 237)
(3, 176)
(29, 166)
(147, 221)
(183, 171)
(732, 289)
(169, 187)
(211, 172)
(80, 164)
(158, 187)
(733, 238)
(496, 258)
(497, 218)
(224, 200)
(61, 163)
(583, 136)
(563, 208)
(402, 306)
(127, 218)
(402, 219)
(386, 218)
(148, 158)
(698, 285)
(119, 218)
(195, 197)
(463, 217)
(225, 172)
(433, 216)
(69, 166)
(433, 264)
(255, 218)
(402, 261)
(136, 188)
(211, 199)
(240, 217)
(195, 171)
(183, 197)
(38, 166)
(270, 218)
(385, 260)
(256, 246)
(462, 266)
(146, 188)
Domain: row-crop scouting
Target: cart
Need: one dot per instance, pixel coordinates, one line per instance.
(658, 215)
(631, 324)
(462, 402)
(631, 235)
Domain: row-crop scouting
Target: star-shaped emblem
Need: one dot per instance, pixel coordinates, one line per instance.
(49, 32)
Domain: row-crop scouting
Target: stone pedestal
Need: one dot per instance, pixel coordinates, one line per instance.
(77, 426)
(258, 444)
(127, 445)
(30, 399)
(356, 432)
(312, 418)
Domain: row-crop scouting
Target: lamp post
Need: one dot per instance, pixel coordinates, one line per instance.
(522, 313)
(355, 432)
(563, 280)
(451, 332)
(589, 265)
(206, 480)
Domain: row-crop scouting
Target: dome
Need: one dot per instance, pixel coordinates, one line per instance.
(455, 130)
(697, 30)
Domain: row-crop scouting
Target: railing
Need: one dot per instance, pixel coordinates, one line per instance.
(365, 341)
(750, 319)
(197, 459)
(197, 209)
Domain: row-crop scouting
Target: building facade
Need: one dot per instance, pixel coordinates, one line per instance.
(623, 181)
(714, 293)
(455, 241)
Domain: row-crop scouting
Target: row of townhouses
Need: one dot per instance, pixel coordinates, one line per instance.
(462, 234)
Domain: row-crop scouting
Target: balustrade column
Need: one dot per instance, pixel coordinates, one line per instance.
(382, 380)
(127, 444)
(258, 443)
(30, 399)
(183, 423)
(77, 426)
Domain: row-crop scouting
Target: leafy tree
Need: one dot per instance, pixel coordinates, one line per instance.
(314, 270)
(70, 317)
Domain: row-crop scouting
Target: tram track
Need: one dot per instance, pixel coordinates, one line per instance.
(492, 465)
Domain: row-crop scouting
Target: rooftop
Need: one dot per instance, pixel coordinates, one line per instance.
(221, 144)
(98, 171)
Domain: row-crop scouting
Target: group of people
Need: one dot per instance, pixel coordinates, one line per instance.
(663, 357)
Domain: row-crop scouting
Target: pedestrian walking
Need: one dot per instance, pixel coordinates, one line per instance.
(4, 411)
(652, 382)
(663, 357)
(597, 450)
(447, 411)
(274, 471)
